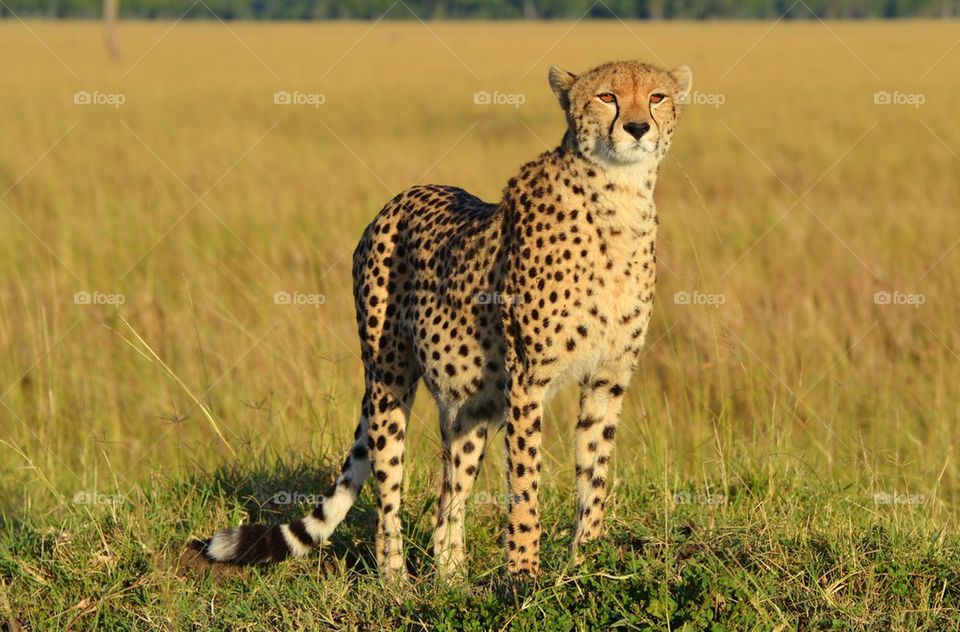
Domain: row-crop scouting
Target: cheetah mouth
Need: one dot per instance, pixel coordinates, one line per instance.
(646, 144)
(626, 153)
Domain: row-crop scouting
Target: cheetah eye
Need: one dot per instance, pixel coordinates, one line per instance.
(657, 97)
(606, 97)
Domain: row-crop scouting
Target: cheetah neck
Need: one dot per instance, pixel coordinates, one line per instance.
(613, 205)
(624, 173)
(620, 196)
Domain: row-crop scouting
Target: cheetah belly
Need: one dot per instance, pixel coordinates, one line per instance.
(456, 331)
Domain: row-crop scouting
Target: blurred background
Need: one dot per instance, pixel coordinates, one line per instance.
(490, 9)
(181, 189)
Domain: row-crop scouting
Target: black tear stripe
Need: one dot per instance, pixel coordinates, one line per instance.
(613, 123)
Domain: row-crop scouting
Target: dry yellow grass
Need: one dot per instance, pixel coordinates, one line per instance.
(798, 366)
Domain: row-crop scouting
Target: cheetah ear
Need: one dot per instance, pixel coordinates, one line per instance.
(684, 78)
(561, 81)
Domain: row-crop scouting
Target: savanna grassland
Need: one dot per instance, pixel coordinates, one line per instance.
(787, 453)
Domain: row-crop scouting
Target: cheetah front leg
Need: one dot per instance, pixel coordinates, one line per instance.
(601, 399)
(524, 437)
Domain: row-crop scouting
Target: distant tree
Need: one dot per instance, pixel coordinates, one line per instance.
(473, 9)
(110, 27)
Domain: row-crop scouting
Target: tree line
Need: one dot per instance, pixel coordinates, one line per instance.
(486, 9)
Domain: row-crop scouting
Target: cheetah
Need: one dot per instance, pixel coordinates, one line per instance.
(494, 306)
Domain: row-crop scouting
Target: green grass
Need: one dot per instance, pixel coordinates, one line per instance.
(782, 550)
(825, 421)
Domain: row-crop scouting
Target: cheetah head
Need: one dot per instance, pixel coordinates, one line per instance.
(622, 113)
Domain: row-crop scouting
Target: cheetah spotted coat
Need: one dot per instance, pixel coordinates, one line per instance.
(494, 306)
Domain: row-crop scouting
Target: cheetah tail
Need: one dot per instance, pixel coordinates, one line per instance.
(263, 544)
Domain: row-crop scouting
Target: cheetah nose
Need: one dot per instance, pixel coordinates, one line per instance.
(637, 130)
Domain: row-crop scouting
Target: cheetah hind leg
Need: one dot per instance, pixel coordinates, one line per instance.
(464, 442)
(389, 413)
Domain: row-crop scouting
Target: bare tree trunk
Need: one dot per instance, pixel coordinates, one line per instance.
(529, 10)
(110, 23)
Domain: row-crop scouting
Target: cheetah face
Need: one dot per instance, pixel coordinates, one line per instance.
(622, 113)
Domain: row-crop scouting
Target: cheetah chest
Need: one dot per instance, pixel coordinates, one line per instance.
(618, 292)
(593, 308)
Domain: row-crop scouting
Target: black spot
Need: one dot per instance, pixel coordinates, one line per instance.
(586, 422)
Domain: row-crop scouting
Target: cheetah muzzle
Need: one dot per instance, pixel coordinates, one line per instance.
(494, 306)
